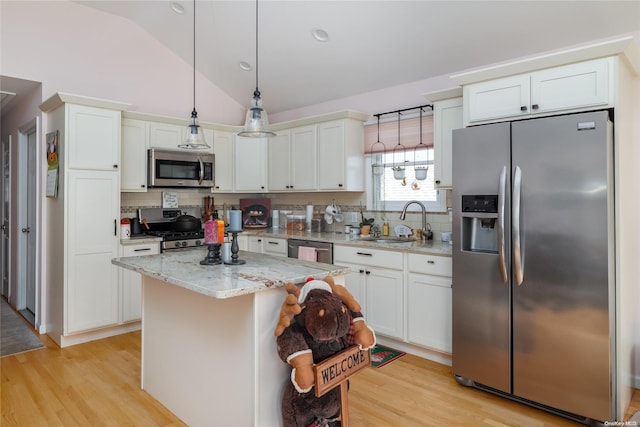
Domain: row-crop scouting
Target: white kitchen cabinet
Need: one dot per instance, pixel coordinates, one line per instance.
(340, 155)
(279, 161)
(223, 169)
(275, 246)
(93, 201)
(573, 87)
(165, 136)
(250, 164)
(255, 244)
(82, 223)
(447, 116)
(429, 309)
(304, 162)
(293, 163)
(133, 174)
(131, 281)
(376, 282)
(93, 138)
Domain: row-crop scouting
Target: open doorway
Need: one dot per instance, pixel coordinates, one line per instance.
(5, 187)
(26, 199)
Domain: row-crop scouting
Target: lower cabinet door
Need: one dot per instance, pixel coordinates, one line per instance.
(93, 199)
(429, 311)
(384, 301)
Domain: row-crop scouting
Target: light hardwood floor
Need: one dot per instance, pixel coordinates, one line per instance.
(98, 384)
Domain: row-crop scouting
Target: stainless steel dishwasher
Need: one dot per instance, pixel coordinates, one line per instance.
(324, 250)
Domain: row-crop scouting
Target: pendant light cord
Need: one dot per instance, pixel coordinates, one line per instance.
(194, 113)
(257, 92)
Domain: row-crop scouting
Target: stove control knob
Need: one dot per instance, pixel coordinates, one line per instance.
(184, 244)
(198, 243)
(177, 244)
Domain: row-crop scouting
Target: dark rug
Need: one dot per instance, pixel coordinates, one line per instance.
(381, 355)
(15, 335)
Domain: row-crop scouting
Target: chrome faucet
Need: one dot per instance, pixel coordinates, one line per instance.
(424, 215)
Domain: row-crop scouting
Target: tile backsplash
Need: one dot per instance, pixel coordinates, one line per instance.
(296, 202)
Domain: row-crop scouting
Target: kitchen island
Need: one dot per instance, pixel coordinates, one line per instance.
(208, 350)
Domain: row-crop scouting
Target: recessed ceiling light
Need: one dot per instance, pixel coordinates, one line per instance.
(245, 66)
(177, 8)
(320, 35)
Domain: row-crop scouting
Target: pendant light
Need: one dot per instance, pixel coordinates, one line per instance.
(256, 124)
(195, 136)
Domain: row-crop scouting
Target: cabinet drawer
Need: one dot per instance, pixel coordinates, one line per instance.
(141, 249)
(430, 264)
(275, 246)
(367, 256)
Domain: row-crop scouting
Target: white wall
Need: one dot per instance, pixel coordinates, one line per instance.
(75, 49)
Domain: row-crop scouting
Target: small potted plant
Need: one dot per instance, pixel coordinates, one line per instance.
(365, 224)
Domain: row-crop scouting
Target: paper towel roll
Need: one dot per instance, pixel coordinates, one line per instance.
(275, 218)
(309, 215)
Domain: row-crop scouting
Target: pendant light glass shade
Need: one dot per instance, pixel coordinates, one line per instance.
(256, 124)
(195, 136)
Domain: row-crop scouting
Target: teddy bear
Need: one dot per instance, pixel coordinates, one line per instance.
(316, 321)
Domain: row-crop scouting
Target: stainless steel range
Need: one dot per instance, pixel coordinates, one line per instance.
(175, 234)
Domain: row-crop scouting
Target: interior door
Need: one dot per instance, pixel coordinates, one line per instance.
(5, 181)
(32, 172)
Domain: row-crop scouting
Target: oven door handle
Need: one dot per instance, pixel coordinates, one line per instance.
(201, 174)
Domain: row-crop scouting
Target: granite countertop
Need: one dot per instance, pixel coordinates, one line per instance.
(261, 272)
(429, 247)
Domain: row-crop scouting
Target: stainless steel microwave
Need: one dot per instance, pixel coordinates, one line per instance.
(180, 169)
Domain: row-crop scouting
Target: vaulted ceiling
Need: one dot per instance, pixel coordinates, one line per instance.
(371, 44)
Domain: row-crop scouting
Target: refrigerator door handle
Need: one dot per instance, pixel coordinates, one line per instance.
(501, 255)
(517, 249)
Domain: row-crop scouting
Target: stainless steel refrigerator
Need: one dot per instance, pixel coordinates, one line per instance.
(534, 263)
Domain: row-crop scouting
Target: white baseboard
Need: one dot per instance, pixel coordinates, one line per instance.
(96, 334)
(436, 356)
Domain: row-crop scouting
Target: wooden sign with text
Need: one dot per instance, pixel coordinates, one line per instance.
(337, 369)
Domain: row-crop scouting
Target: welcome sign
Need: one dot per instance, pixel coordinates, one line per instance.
(337, 369)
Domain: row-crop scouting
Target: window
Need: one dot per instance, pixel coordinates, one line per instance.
(386, 193)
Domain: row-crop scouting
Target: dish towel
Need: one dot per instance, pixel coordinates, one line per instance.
(307, 253)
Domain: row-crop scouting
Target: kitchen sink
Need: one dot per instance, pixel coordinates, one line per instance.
(394, 240)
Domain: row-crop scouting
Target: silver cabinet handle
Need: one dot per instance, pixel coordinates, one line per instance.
(517, 249)
(501, 195)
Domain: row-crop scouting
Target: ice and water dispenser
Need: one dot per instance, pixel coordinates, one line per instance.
(479, 221)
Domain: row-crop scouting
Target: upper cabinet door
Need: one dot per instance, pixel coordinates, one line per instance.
(165, 136)
(250, 164)
(585, 84)
(223, 170)
(279, 148)
(447, 116)
(93, 138)
(304, 153)
(495, 99)
(133, 174)
(331, 156)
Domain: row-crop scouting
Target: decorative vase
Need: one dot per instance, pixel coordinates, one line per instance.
(364, 230)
